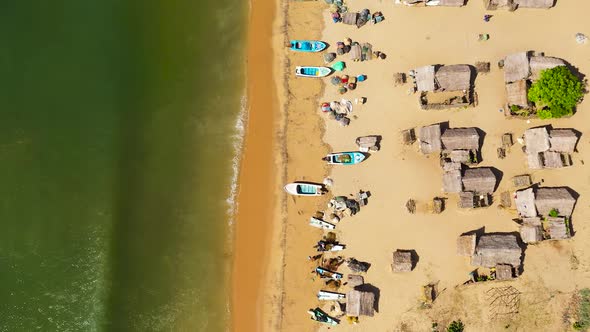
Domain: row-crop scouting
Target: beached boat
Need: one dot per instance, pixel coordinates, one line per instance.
(319, 315)
(319, 223)
(327, 246)
(304, 189)
(345, 158)
(330, 296)
(328, 274)
(308, 45)
(307, 71)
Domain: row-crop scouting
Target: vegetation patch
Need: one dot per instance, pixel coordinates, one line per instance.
(556, 93)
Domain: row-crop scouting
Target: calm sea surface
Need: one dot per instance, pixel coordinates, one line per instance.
(117, 133)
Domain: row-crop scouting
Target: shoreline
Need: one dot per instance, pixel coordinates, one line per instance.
(256, 183)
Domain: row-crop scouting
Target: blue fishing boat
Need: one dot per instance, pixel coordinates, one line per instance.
(308, 71)
(345, 158)
(308, 45)
(319, 315)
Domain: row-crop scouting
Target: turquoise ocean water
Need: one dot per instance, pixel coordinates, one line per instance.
(118, 126)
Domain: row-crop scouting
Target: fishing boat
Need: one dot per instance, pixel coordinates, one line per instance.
(330, 296)
(305, 189)
(308, 45)
(327, 246)
(308, 71)
(345, 158)
(319, 315)
(319, 223)
(328, 274)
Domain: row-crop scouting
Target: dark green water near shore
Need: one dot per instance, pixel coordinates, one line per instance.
(117, 133)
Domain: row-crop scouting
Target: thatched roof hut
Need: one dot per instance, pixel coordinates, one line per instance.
(560, 199)
(525, 203)
(425, 78)
(454, 77)
(479, 180)
(430, 141)
(516, 67)
(516, 93)
(360, 303)
(504, 272)
(534, 3)
(522, 180)
(540, 63)
(557, 228)
(452, 182)
(466, 200)
(494, 249)
(466, 244)
(563, 140)
(402, 261)
(531, 230)
(460, 139)
(552, 159)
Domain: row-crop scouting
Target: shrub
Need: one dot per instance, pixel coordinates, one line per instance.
(456, 326)
(556, 93)
(583, 313)
(554, 213)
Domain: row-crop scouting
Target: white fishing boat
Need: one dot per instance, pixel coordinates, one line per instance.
(328, 274)
(310, 71)
(330, 296)
(345, 158)
(304, 189)
(319, 223)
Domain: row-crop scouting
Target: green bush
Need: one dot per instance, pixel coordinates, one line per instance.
(456, 326)
(583, 322)
(554, 213)
(556, 93)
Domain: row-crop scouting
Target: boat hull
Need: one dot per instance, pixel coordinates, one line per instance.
(330, 296)
(319, 223)
(313, 72)
(311, 46)
(304, 189)
(346, 158)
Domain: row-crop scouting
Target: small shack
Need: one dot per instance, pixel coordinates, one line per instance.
(504, 272)
(522, 180)
(516, 67)
(479, 180)
(460, 139)
(360, 303)
(563, 140)
(454, 77)
(424, 77)
(525, 203)
(402, 261)
(516, 94)
(467, 200)
(540, 63)
(452, 182)
(466, 244)
(531, 230)
(430, 139)
(494, 249)
(557, 228)
(558, 199)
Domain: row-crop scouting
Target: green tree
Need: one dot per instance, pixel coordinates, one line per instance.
(556, 93)
(456, 326)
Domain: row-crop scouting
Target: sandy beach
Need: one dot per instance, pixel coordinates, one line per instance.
(411, 37)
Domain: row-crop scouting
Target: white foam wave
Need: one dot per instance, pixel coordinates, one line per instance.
(238, 145)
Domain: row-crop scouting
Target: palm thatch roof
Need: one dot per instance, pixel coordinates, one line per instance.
(466, 200)
(516, 67)
(494, 249)
(531, 230)
(534, 3)
(430, 141)
(540, 63)
(552, 159)
(454, 77)
(360, 303)
(479, 180)
(563, 140)
(557, 228)
(452, 182)
(466, 244)
(560, 199)
(425, 78)
(504, 272)
(525, 203)
(460, 139)
(402, 261)
(516, 93)
(459, 156)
